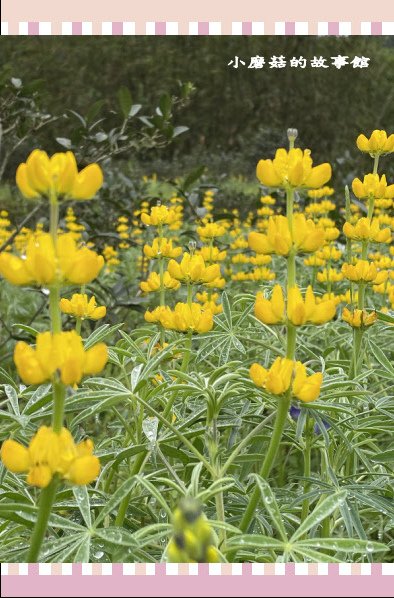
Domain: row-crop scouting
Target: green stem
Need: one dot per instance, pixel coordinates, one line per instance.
(47, 498)
(307, 466)
(59, 395)
(185, 362)
(291, 341)
(162, 288)
(281, 416)
(125, 502)
(54, 309)
(189, 294)
(78, 325)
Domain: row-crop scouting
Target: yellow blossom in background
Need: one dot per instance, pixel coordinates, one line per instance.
(211, 254)
(152, 284)
(359, 318)
(211, 230)
(44, 264)
(41, 176)
(209, 301)
(80, 306)
(329, 275)
(50, 453)
(378, 143)
(364, 271)
(372, 186)
(367, 230)
(329, 252)
(63, 352)
(192, 270)
(267, 200)
(292, 168)
(162, 247)
(322, 192)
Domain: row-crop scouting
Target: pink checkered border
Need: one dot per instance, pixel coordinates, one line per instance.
(197, 28)
(168, 569)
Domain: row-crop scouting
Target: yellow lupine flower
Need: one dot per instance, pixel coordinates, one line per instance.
(364, 271)
(378, 143)
(211, 230)
(267, 200)
(159, 216)
(211, 254)
(301, 311)
(277, 379)
(367, 230)
(80, 306)
(162, 247)
(329, 252)
(192, 270)
(50, 453)
(270, 311)
(209, 302)
(152, 284)
(329, 275)
(292, 168)
(314, 261)
(63, 352)
(305, 236)
(359, 318)
(184, 318)
(285, 374)
(322, 192)
(372, 186)
(42, 175)
(306, 388)
(45, 265)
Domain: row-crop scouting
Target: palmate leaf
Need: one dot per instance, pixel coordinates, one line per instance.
(321, 511)
(271, 506)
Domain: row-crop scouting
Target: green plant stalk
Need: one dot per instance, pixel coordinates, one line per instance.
(46, 500)
(59, 395)
(307, 467)
(185, 362)
(284, 402)
(120, 517)
(78, 326)
(281, 416)
(219, 502)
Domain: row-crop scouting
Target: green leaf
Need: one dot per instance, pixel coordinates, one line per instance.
(271, 506)
(117, 536)
(321, 511)
(115, 499)
(12, 396)
(192, 178)
(342, 545)
(256, 542)
(125, 101)
(82, 499)
(381, 357)
(100, 334)
(83, 553)
(384, 457)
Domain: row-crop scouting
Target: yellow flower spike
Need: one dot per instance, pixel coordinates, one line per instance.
(162, 247)
(294, 169)
(159, 216)
(367, 230)
(63, 351)
(372, 186)
(319, 193)
(184, 318)
(306, 388)
(152, 284)
(378, 143)
(305, 236)
(270, 311)
(330, 275)
(211, 254)
(211, 230)
(359, 318)
(42, 175)
(45, 265)
(51, 453)
(192, 270)
(80, 306)
(365, 272)
(301, 311)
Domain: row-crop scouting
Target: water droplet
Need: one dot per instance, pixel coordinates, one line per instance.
(98, 555)
(369, 547)
(268, 500)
